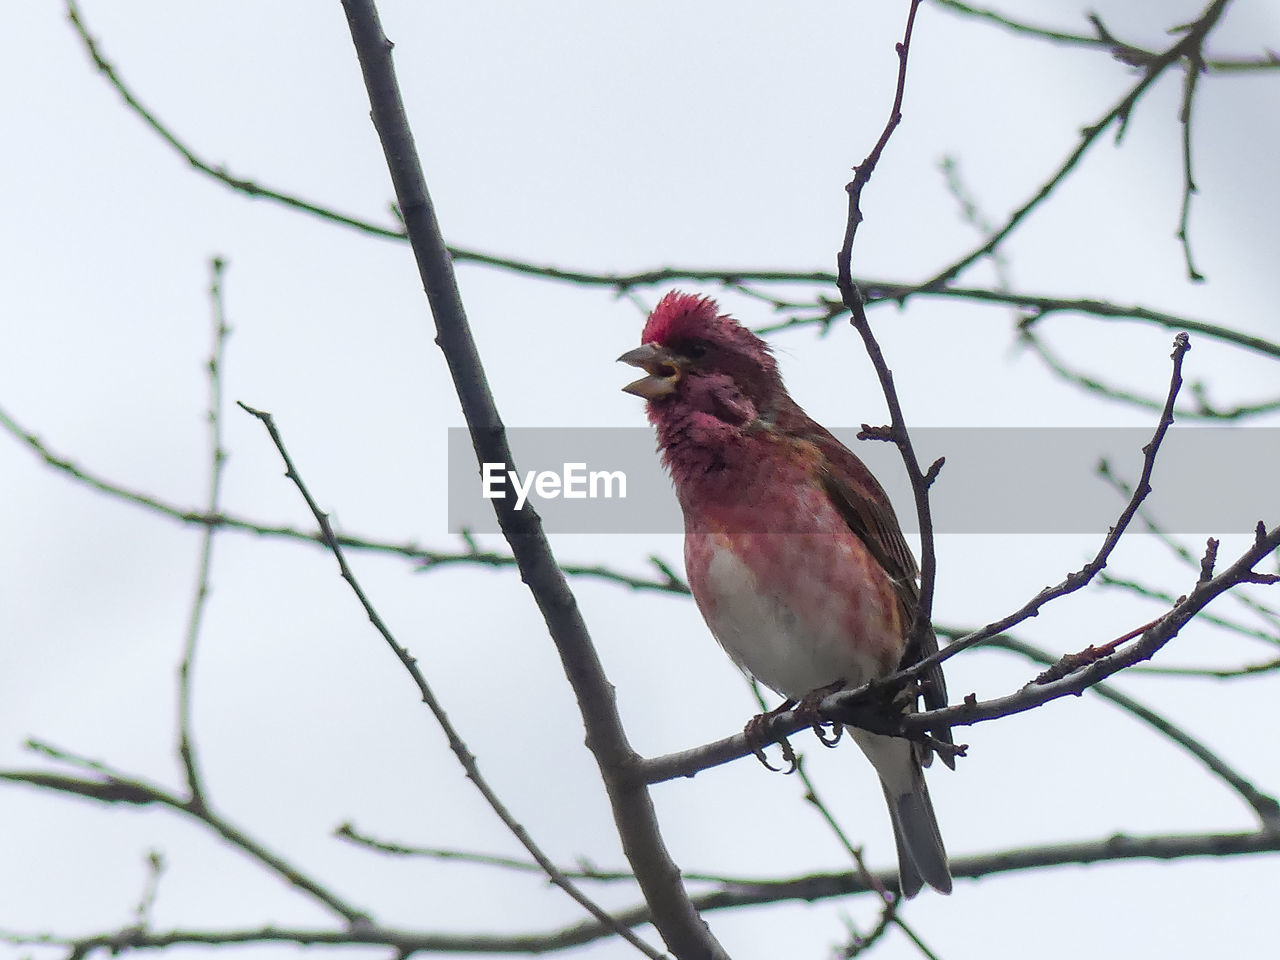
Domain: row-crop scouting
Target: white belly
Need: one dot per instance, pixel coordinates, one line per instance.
(765, 637)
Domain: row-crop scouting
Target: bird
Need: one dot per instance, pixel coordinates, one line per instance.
(794, 555)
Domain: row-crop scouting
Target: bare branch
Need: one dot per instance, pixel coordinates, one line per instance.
(1021, 27)
(863, 172)
(155, 868)
(1104, 40)
(247, 187)
(875, 291)
(1043, 307)
(456, 743)
(890, 901)
(920, 636)
(973, 215)
(1264, 806)
(1164, 630)
(863, 706)
(1189, 44)
(1200, 409)
(1211, 673)
(1195, 66)
(1137, 588)
(426, 558)
(1080, 578)
(111, 786)
(674, 916)
(217, 460)
(1267, 613)
(809, 888)
(583, 871)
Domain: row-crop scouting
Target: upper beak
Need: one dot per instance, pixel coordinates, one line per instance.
(661, 365)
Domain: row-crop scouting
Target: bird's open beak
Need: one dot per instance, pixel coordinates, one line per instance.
(663, 369)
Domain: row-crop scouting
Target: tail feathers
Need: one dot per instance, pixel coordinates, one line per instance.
(921, 856)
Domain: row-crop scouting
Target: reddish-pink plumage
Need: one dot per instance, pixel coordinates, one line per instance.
(793, 553)
(681, 316)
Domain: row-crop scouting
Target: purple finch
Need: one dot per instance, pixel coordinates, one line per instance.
(793, 552)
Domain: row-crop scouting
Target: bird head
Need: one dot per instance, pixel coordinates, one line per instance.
(696, 358)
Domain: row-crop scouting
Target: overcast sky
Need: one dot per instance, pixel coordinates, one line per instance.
(603, 138)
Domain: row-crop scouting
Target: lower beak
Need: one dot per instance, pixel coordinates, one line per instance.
(662, 368)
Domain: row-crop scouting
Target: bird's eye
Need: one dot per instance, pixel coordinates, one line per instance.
(696, 350)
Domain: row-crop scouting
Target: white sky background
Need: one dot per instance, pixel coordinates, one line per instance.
(613, 139)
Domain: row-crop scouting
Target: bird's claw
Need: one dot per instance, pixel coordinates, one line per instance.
(837, 731)
(757, 738)
(788, 754)
(807, 710)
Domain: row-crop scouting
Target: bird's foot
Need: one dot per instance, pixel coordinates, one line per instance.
(756, 732)
(807, 710)
(906, 699)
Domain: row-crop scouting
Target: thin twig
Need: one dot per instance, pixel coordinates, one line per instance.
(151, 887)
(426, 558)
(583, 871)
(1104, 40)
(247, 187)
(1195, 66)
(889, 902)
(1021, 27)
(920, 635)
(217, 461)
(1212, 673)
(112, 786)
(972, 214)
(1264, 806)
(1082, 577)
(456, 743)
(1153, 639)
(1199, 409)
(1270, 636)
(1267, 613)
(1190, 42)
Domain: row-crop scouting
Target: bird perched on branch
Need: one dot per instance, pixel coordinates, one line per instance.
(793, 552)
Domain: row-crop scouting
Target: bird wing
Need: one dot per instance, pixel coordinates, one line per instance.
(865, 507)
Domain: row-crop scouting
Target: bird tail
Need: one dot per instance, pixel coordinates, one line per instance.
(922, 858)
